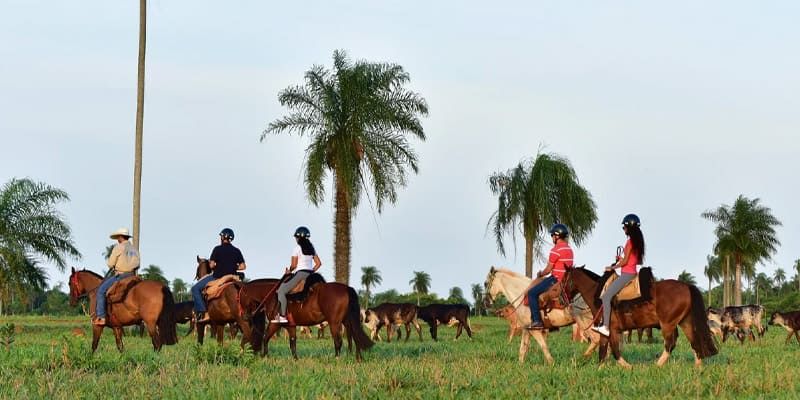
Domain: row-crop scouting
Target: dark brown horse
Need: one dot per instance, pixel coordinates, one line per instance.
(673, 304)
(222, 310)
(148, 301)
(332, 302)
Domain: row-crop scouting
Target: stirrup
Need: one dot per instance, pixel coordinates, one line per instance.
(601, 330)
(99, 321)
(279, 319)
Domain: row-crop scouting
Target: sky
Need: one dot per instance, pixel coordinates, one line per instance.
(664, 109)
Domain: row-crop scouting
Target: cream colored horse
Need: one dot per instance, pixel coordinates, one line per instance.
(513, 286)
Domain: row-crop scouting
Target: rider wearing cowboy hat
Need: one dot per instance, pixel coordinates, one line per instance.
(123, 261)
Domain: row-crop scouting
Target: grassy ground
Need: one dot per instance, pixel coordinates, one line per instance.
(51, 359)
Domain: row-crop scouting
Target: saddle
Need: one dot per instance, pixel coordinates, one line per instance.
(215, 288)
(637, 289)
(301, 291)
(549, 300)
(117, 292)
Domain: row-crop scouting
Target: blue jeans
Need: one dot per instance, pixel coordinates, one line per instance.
(197, 293)
(533, 297)
(100, 306)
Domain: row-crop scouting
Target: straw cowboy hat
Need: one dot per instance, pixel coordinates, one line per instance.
(120, 232)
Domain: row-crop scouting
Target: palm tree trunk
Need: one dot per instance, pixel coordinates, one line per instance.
(709, 292)
(342, 222)
(727, 288)
(738, 282)
(367, 299)
(137, 167)
(528, 254)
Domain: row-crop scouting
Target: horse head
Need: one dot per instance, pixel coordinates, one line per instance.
(203, 268)
(74, 288)
(489, 292)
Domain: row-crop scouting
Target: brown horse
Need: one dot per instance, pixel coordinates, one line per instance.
(148, 301)
(334, 303)
(222, 310)
(673, 304)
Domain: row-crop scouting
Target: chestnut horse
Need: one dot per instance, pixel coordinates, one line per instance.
(673, 304)
(513, 286)
(148, 301)
(222, 310)
(334, 303)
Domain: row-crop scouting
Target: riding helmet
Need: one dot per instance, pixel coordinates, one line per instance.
(560, 230)
(302, 232)
(631, 220)
(227, 233)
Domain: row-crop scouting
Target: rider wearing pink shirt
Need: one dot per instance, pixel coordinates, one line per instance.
(633, 257)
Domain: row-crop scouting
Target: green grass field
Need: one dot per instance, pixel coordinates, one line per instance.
(49, 359)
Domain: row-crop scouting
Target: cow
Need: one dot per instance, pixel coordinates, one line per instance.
(435, 314)
(306, 330)
(740, 320)
(790, 321)
(639, 332)
(393, 316)
(714, 316)
(509, 314)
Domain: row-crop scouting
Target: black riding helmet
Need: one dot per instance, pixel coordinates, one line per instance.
(631, 220)
(560, 230)
(302, 232)
(227, 233)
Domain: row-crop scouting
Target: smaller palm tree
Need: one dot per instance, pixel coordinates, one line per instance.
(712, 271)
(780, 278)
(477, 297)
(370, 276)
(179, 288)
(154, 273)
(797, 270)
(421, 283)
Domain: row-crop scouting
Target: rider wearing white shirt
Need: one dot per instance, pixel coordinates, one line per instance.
(304, 262)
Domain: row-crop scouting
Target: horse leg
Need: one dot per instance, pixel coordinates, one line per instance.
(615, 341)
(524, 345)
(670, 336)
(408, 330)
(418, 328)
(292, 340)
(336, 332)
(201, 331)
(541, 338)
(458, 329)
(468, 328)
(271, 330)
(97, 330)
(118, 338)
(152, 330)
(219, 332)
(688, 330)
(433, 331)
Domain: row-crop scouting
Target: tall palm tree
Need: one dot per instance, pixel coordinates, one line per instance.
(477, 297)
(712, 271)
(31, 228)
(420, 284)
(745, 231)
(358, 117)
(687, 278)
(22, 276)
(370, 276)
(137, 165)
(179, 288)
(534, 195)
(779, 277)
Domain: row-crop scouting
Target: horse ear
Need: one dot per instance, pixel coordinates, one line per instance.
(492, 270)
(198, 259)
(73, 269)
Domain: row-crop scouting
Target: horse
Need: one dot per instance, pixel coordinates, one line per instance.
(222, 310)
(673, 304)
(334, 303)
(148, 301)
(513, 286)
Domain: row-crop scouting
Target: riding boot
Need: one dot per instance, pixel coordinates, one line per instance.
(201, 317)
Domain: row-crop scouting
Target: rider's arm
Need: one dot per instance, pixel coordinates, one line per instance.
(292, 264)
(317, 263)
(212, 264)
(241, 266)
(624, 260)
(115, 253)
(547, 269)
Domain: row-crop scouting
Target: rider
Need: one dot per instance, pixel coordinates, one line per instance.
(560, 259)
(633, 257)
(301, 263)
(225, 259)
(124, 259)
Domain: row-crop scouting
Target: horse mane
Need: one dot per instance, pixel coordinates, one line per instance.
(264, 280)
(589, 273)
(510, 272)
(96, 275)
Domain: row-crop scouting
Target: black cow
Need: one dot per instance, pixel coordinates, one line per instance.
(790, 321)
(435, 314)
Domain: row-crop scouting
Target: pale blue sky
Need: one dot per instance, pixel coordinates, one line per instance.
(664, 109)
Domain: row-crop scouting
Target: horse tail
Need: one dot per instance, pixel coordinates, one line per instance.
(167, 332)
(702, 339)
(352, 322)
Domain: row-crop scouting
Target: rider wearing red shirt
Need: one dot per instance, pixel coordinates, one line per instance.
(560, 259)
